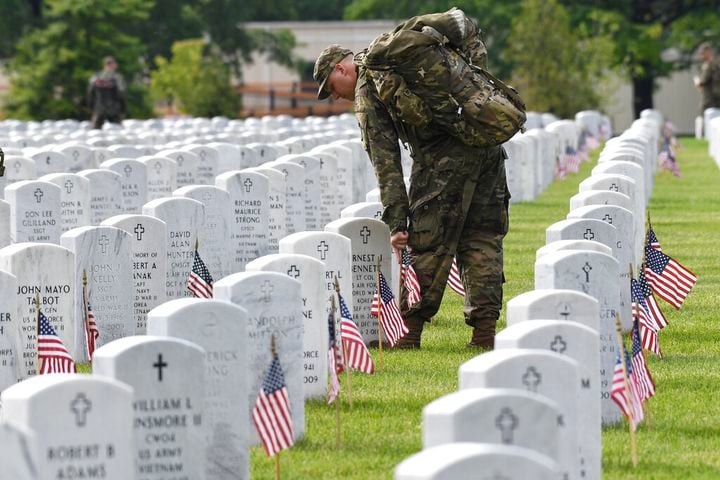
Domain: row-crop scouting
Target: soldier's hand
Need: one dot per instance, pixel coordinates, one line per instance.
(399, 241)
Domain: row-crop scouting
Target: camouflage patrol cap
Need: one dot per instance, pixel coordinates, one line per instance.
(324, 65)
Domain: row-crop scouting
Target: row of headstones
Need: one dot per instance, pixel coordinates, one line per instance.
(711, 123)
(284, 295)
(592, 121)
(159, 131)
(145, 173)
(549, 406)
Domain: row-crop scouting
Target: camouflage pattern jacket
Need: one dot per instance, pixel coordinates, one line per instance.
(710, 81)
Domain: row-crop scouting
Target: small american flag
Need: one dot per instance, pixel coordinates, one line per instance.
(629, 406)
(335, 363)
(410, 279)
(652, 240)
(92, 333)
(357, 355)
(387, 310)
(454, 279)
(653, 308)
(572, 160)
(200, 282)
(560, 170)
(671, 281)
(648, 330)
(591, 142)
(52, 354)
(640, 373)
(271, 414)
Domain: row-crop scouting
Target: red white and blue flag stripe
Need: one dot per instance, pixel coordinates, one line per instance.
(387, 311)
(271, 414)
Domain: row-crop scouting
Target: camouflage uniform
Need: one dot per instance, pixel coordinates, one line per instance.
(106, 96)
(457, 204)
(710, 81)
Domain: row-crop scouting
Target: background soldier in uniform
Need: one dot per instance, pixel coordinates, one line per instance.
(709, 81)
(106, 95)
(457, 204)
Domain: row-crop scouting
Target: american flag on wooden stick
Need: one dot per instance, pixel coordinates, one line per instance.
(640, 373)
(632, 405)
(200, 282)
(648, 330)
(357, 355)
(410, 279)
(386, 309)
(271, 414)
(656, 314)
(668, 279)
(454, 279)
(53, 357)
(652, 240)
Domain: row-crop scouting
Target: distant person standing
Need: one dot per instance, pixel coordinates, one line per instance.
(106, 94)
(709, 80)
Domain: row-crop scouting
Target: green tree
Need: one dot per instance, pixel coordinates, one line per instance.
(493, 17)
(16, 18)
(195, 80)
(643, 29)
(555, 69)
(50, 72)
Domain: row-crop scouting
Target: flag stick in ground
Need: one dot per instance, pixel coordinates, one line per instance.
(621, 345)
(380, 312)
(338, 433)
(399, 256)
(345, 353)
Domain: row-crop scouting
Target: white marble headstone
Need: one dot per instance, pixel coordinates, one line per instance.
(105, 255)
(18, 455)
(183, 219)
(44, 269)
(274, 307)
(161, 176)
(48, 161)
(19, 168)
(250, 209)
(74, 199)
(34, 211)
(133, 182)
(363, 209)
(219, 328)
(10, 332)
(4, 224)
(207, 166)
(313, 192)
(105, 194)
(554, 304)
(187, 164)
(310, 272)
(167, 376)
(149, 262)
(82, 424)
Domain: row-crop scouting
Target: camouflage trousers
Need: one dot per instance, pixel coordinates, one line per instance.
(469, 219)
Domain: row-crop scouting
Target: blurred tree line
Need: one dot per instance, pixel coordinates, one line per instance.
(189, 51)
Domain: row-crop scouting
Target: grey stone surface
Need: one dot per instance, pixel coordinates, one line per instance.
(167, 376)
(313, 192)
(44, 269)
(18, 456)
(75, 435)
(4, 224)
(277, 223)
(9, 330)
(105, 194)
(161, 176)
(187, 164)
(149, 262)
(34, 211)
(74, 199)
(220, 329)
(133, 182)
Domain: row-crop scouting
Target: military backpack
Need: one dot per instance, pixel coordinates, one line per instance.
(427, 71)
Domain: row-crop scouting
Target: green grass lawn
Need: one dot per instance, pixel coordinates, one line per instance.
(383, 426)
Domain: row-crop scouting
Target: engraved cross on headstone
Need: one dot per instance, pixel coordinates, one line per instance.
(69, 186)
(203, 155)
(323, 248)
(139, 230)
(160, 364)
(180, 159)
(158, 167)
(103, 241)
(38, 195)
(589, 234)
(80, 406)
(17, 166)
(365, 234)
(75, 154)
(127, 170)
(267, 289)
(586, 268)
(506, 422)
(248, 184)
(293, 272)
(558, 345)
(531, 379)
(564, 310)
(614, 187)
(322, 162)
(207, 196)
(607, 218)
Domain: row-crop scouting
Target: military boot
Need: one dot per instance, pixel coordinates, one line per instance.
(481, 339)
(412, 338)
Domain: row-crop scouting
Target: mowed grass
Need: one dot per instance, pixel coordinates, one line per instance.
(383, 426)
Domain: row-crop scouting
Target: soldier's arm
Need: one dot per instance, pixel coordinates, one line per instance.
(381, 142)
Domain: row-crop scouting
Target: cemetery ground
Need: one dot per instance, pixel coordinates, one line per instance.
(383, 425)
